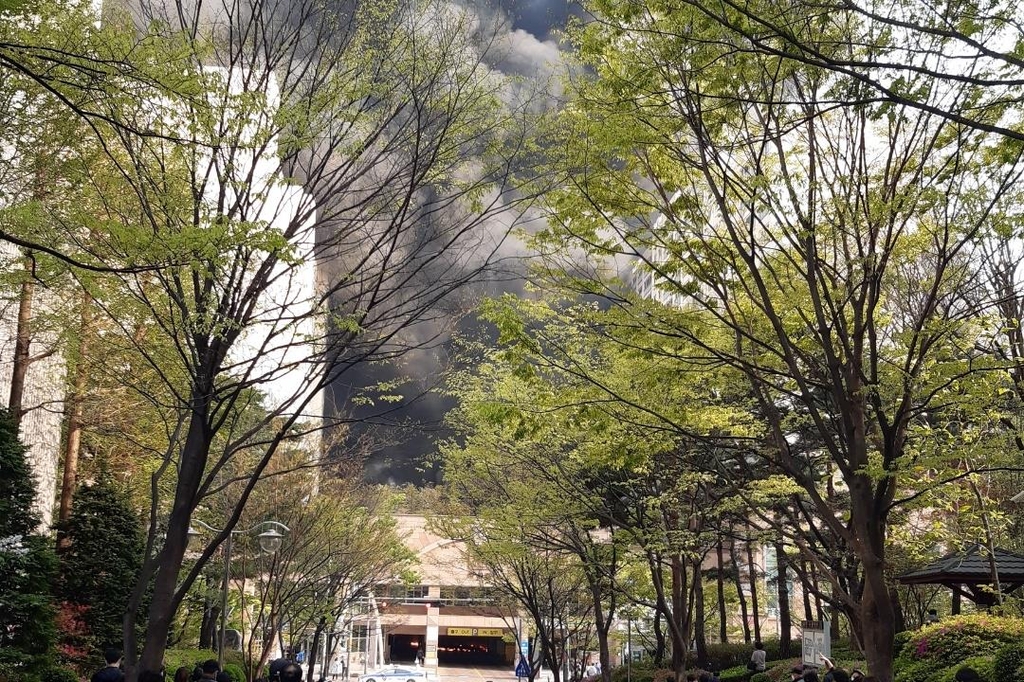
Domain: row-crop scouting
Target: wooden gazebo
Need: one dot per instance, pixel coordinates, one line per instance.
(969, 573)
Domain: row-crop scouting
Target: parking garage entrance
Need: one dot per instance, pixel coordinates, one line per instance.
(404, 648)
(472, 646)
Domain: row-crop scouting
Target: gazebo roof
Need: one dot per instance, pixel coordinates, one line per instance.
(971, 569)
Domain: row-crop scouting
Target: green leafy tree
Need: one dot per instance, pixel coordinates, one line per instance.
(372, 140)
(28, 566)
(587, 474)
(829, 241)
(101, 562)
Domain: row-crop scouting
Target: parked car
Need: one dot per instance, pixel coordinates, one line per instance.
(395, 674)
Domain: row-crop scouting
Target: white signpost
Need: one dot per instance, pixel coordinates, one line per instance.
(817, 641)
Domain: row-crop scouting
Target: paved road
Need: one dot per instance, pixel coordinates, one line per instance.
(463, 673)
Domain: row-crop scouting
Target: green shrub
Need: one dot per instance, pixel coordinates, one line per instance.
(983, 665)
(908, 670)
(637, 671)
(728, 655)
(722, 656)
(853, 664)
(15, 675)
(952, 640)
(739, 673)
(235, 672)
(1007, 662)
(900, 641)
(760, 677)
(58, 675)
(176, 658)
(777, 671)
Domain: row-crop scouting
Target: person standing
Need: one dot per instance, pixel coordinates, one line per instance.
(758, 658)
(111, 672)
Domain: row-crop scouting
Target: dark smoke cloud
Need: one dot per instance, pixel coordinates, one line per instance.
(529, 49)
(540, 18)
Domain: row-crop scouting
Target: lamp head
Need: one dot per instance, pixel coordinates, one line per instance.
(270, 540)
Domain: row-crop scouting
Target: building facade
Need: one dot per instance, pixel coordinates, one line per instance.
(449, 618)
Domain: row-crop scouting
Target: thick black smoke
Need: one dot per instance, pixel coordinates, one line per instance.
(540, 18)
(405, 433)
(409, 433)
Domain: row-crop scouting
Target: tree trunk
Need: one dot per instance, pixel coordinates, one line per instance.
(602, 624)
(700, 637)
(785, 620)
(723, 631)
(163, 600)
(314, 648)
(877, 619)
(660, 645)
(752, 576)
(806, 590)
(819, 612)
(679, 624)
(22, 345)
(899, 619)
(211, 614)
(73, 441)
(740, 591)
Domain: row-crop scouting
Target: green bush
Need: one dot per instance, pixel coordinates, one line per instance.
(900, 641)
(636, 672)
(760, 677)
(952, 640)
(176, 658)
(915, 671)
(731, 654)
(983, 665)
(1007, 663)
(739, 673)
(235, 672)
(15, 675)
(58, 675)
(777, 671)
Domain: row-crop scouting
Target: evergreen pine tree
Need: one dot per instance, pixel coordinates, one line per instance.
(102, 561)
(27, 566)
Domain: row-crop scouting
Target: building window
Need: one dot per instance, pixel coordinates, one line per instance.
(460, 595)
(358, 639)
(402, 593)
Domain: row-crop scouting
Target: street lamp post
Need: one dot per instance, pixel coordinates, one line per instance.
(270, 541)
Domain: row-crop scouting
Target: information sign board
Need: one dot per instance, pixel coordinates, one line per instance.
(816, 641)
(474, 632)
